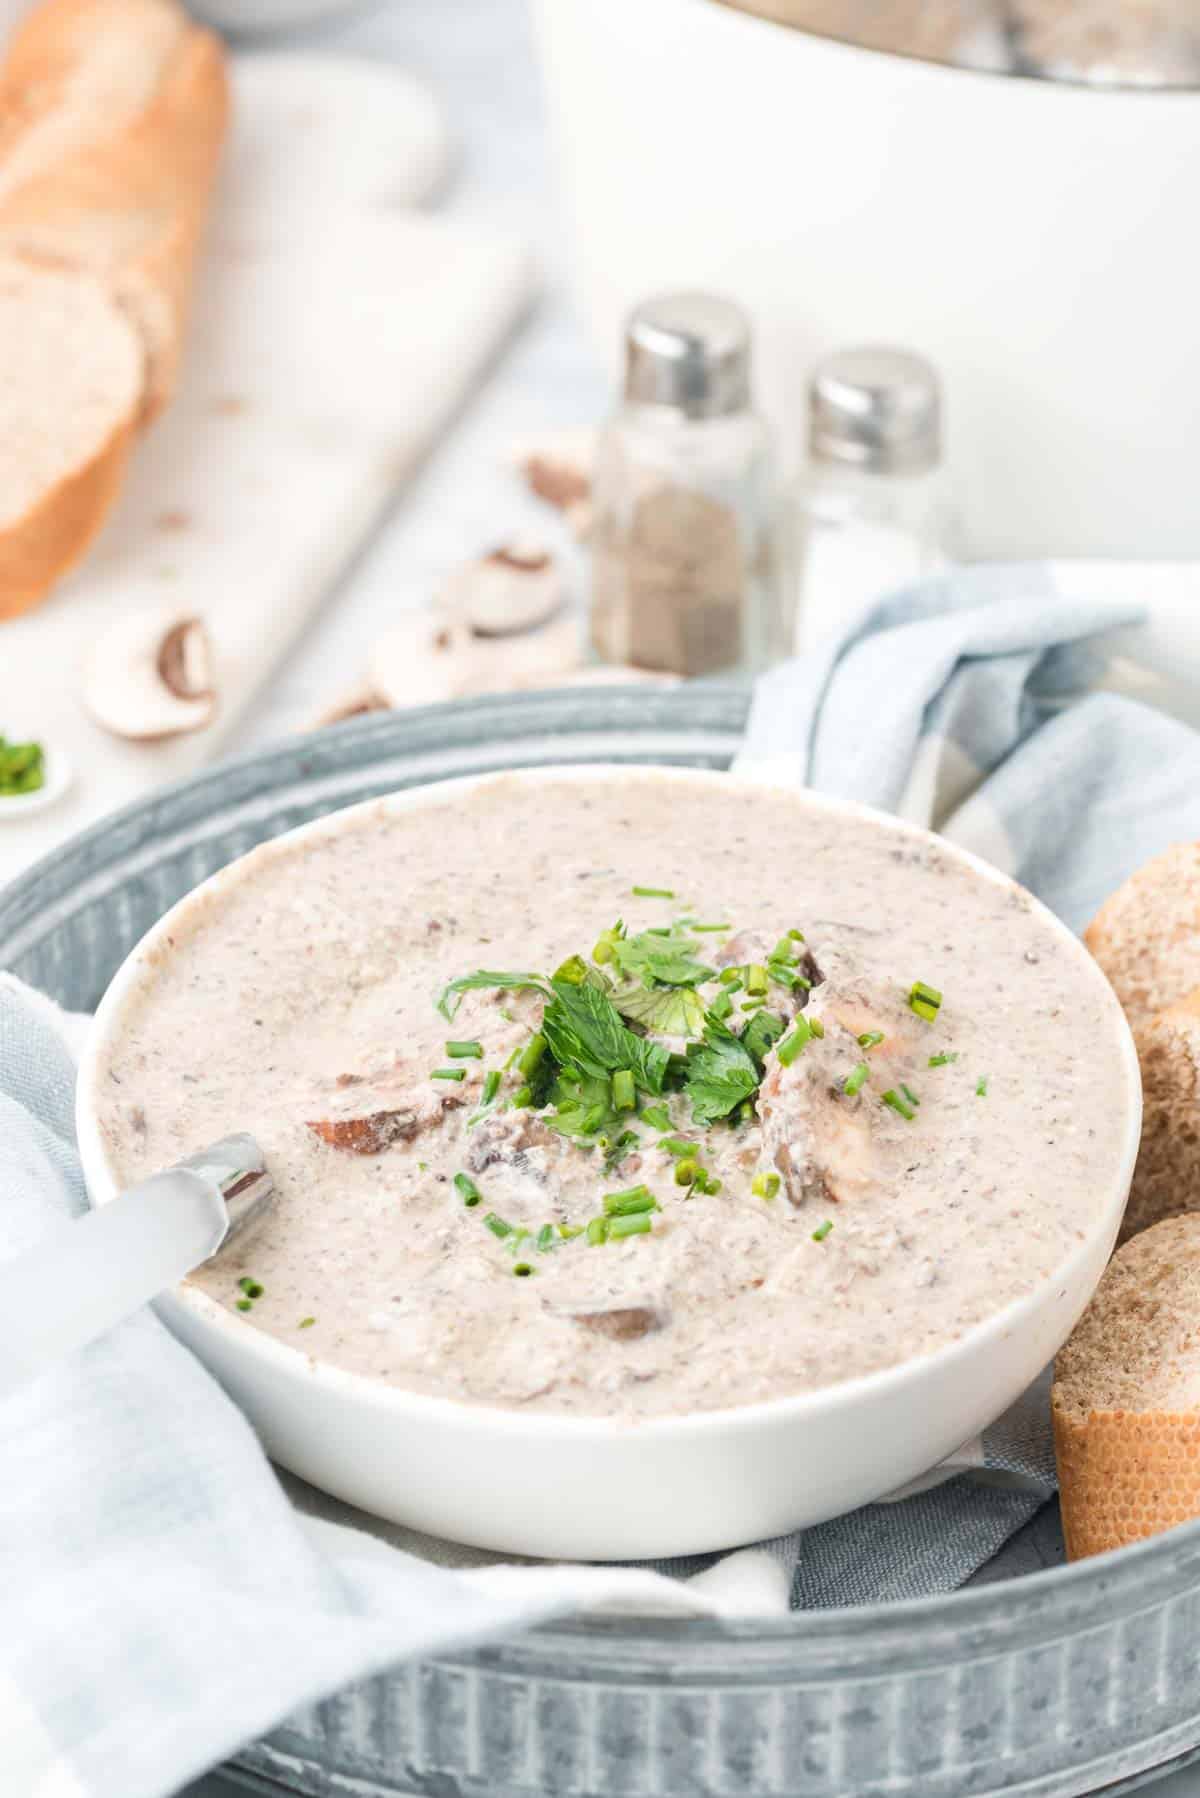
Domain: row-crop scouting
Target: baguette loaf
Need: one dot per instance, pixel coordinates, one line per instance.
(1166, 1180)
(1126, 1396)
(111, 118)
(1146, 935)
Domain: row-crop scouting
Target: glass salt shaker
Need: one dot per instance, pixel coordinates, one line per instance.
(684, 562)
(875, 510)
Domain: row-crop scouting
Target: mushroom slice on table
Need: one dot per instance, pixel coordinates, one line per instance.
(151, 676)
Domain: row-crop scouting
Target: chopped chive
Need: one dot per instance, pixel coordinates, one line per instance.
(675, 1145)
(573, 970)
(593, 1117)
(657, 1116)
(513, 1058)
(658, 930)
(569, 1232)
(545, 1237)
(687, 1172)
(471, 1051)
(491, 1085)
(745, 1112)
(448, 1074)
(752, 1005)
(597, 1231)
(782, 975)
(467, 1190)
(624, 1095)
(944, 1059)
(634, 1224)
(250, 1287)
(817, 1027)
(784, 950)
(925, 1000)
(756, 979)
(870, 1039)
(981, 1088)
(909, 1094)
(306, 1323)
(898, 1104)
(602, 951)
(765, 1186)
(532, 1054)
(721, 1007)
(711, 1185)
(653, 893)
(797, 936)
(522, 1097)
(523, 1270)
(732, 978)
(629, 1202)
(709, 927)
(856, 1079)
(790, 1046)
(822, 1231)
(497, 1225)
(245, 1304)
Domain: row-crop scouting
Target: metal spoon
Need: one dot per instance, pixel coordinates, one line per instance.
(90, 1274)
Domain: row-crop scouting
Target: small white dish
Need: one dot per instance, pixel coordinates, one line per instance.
(60, 776)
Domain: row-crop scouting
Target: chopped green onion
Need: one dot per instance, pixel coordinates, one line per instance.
(782, 975)
(898, 1104)
(756, 979)
(245, 1304)
(653, 893)
(624, 1094)
(306, 1323)
(513, 1245)
(597, 1231)
(657, 1116)
(250, 1287)
(909, 1094)
(531, 1055)
(522, 1097)
(471, 1051)
(687, 1172)
(817, 1027)
(629, 1202)
(765, 1186)
(981, 1089)
(721, 1007)
(573, 970)
(856, 1079)
(545, 1237)
(797, 936)
(637, 1224)
(497, 1225)
(569, 1232)
(790, 1045)
(467, 1190)
(925, 1000)
(745, 1112)
(675, 1145)
(708, 927)
(944, 1059)
(752, 1005)
(732, 978)
(604, 950)
(491, 1085)
(822, 1231)
(448, 1074)
(710, 1184)
(870, 1039)
(783, 950)
(523, 1270)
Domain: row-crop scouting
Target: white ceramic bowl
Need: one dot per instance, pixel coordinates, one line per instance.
(600, 1489)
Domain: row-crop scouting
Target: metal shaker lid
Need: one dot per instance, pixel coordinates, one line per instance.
(877, 408)
(690, 351)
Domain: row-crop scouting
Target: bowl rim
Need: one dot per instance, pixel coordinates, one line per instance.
(364, 1391)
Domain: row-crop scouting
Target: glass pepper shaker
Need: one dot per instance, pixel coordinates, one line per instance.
(684, 562)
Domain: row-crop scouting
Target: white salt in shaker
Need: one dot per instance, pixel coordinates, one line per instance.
(684, 563)
(875, 511)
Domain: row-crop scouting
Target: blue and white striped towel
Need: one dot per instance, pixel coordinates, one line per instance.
(163, 1601)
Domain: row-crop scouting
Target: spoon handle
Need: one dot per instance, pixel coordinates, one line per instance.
(90, 1274)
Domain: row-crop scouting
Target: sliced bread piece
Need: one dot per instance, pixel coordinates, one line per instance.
(71, 381)
(1166, 1180)
(1126, 1396)
(112, 114)
(1146, 936)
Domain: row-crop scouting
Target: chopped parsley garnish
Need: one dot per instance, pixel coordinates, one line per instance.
(657, 1116)
(898, 1104)
(663, 1010)
(306, 1323)
(583, 1029)
(22, 768)
(944, 1059)
(856, 1079)
(981, 1088)
(482, 979)
(926, 1001)
(761, 1033)
(616, 1151)
(721, 1073)
(822, 1231)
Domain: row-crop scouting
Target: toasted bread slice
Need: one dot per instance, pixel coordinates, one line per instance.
(71, 381)
(1166, 1181)
(1126, 1396)
(1146, 937)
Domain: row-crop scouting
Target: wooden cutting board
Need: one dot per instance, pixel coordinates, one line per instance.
(335, 331)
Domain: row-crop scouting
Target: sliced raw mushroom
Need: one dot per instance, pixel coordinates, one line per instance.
(558, 466)
(534, 659)
(366, 1114)
(151, 676)
(424, 658)
(359, 702)
(515, 588)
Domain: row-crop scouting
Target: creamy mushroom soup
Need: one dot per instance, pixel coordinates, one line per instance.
(632, 1096)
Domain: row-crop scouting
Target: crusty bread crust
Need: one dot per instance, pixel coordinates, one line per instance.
(112, 114)
(1166, 1180)
(1146, 935)
(1124, 1475)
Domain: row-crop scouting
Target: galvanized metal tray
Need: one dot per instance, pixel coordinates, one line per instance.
(1041, 1679)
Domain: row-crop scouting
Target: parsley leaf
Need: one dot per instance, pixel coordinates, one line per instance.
(584, 1030)
(721, 1072)
(448, 999)
(764, 1029)
(665, 959)
(664, 1010)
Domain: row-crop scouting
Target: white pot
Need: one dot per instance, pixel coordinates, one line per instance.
(1037, 241)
